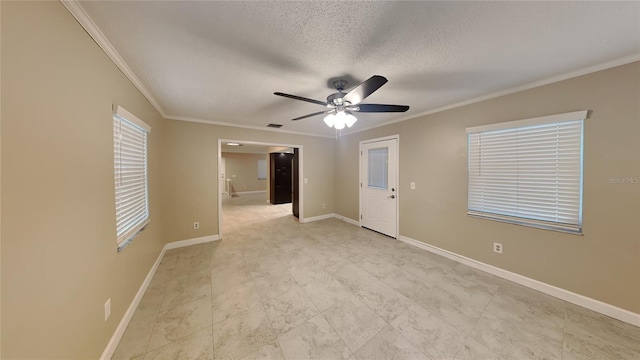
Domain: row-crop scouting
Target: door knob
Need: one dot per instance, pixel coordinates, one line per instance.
(391, 197)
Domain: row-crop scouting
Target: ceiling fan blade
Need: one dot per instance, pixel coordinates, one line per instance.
(314, 114)
(376, 108)
(365, 89)
(323, 103)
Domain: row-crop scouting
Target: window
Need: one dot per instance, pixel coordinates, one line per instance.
(528, 172)
(262, 169)
(130, 169)
(378, 165)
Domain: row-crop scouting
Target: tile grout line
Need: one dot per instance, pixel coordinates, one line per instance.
(213, 345)
(262, 304)
(155, 321)
(564, 330)
(392, 327)
(186, 335)
(321, 313)
(468, 336)
(337, 240)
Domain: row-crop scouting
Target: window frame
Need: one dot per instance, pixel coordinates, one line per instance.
(133, 123)
(531, 221)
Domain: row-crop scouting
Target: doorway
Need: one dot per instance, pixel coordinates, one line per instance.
(297, 205)
(223, 180)
(379, 185)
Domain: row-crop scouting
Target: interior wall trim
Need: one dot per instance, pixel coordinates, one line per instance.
(566, 295)
(346, 219)
(126, 318)
(78, 12)
(317, 218)
(189, 242)
(329, 216)
(249, 192)
(253, 127)
(554, 79)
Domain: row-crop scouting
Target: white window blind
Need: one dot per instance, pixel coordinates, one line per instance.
(528, 172)
(130, 168)
(262, 169)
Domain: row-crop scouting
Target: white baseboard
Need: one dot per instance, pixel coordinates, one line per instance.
(124, 322)
(248, 192)
(317, 218)
(329, 216)
(189, 242)
(566, 295)
(346, 219)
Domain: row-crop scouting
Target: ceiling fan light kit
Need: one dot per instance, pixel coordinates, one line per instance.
(340, 119)
(342, 104)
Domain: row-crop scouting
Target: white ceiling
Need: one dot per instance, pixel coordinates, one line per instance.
(222, 61)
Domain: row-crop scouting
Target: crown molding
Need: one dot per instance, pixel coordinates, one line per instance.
(253, 127)
(583, 71)
(96, 34)
(78, 12)
(92, 29)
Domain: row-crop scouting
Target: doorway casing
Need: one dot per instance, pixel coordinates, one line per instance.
(362, 181)
(260, 143)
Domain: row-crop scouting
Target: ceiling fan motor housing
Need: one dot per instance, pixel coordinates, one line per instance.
(336, 99)
(340, 84)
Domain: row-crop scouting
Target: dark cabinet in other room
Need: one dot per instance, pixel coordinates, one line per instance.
(280, 178)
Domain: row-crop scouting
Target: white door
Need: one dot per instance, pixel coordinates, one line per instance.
(378, 186)
(223, 180)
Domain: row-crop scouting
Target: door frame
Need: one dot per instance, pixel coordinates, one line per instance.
(261, 143)
(361, 165)
(222, 171)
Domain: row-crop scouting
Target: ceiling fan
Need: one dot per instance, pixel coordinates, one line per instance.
(341, 105)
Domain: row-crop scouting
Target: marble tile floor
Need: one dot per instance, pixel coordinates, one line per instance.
(277, 289)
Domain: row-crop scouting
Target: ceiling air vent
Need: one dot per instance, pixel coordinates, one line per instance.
(277, 126)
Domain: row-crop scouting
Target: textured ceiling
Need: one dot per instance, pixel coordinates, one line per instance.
(222, 61)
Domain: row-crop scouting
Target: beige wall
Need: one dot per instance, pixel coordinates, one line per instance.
(604, 264)
(242, 169)
(0, 186)
(59, 259)
(191, 163)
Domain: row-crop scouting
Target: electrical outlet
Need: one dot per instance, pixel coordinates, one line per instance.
(107, 309)
(306, 180)
(497, 248)
(324, 205)
(196, 225)
(413, 185)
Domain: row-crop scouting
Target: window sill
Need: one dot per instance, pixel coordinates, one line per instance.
(564, 228)
(129, 239)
